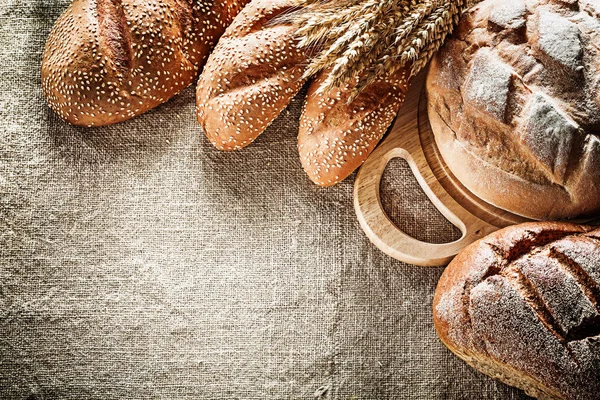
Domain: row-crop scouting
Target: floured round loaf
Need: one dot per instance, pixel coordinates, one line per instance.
(522, 306)
(514, 102)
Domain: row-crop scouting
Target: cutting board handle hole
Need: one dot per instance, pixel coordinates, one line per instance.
(409, 208)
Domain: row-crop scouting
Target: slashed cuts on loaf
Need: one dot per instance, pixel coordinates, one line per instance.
(523, 306)
(335, 137)
(255, 71)
(514, 102)
(106, 61)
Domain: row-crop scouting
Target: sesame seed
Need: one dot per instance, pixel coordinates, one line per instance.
(102, 54)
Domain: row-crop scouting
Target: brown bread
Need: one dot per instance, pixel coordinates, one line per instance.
(335, 136)
(252, 75)
(107, 61)
(514, 102)
(523, 306)
(255, 71)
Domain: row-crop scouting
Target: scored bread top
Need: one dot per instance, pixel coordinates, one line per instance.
(106, 61)
(335, 136)
(514, 100)
(253, 73)
(527, 299)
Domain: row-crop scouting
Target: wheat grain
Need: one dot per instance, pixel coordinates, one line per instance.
(372, 39)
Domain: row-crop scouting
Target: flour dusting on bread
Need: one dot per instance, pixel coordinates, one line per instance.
(524, 305)
(514, 99)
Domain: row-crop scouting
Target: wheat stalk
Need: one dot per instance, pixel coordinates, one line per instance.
(372, 39)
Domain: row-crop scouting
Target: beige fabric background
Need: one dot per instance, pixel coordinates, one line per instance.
(137, 262)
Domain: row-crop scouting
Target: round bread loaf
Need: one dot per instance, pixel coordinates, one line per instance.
(107, 61)
(523, 306)
(514, 102)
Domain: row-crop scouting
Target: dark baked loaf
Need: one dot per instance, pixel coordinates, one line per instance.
(106, 61)
(514, 102)
(523, 306)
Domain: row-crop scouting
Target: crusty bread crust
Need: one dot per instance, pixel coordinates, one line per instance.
(255, 71)
(522, 306)
(506, 374)
(107, 61)
(252, 75)
(502, 189)
(336, 137)
(514, 106)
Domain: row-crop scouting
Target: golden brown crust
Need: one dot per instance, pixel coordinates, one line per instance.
(508, 375)
(513, 105)
(335, 136)
(106, 61)
(252, 75)
(522, 305)
(256, 70)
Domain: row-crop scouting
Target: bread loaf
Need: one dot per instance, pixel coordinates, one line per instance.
(336, 137)
(514, 102)
(109, 60)
(255, 71)
(523, 306)
(252, 75)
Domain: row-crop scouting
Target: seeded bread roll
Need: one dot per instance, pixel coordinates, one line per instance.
(523, 306)
(255, 71)
(109, 60)
(252, 75)
(514, 102)
(336, 137)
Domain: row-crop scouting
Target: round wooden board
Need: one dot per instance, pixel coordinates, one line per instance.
(411, 138)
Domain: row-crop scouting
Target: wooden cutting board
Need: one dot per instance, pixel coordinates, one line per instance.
(411, 138)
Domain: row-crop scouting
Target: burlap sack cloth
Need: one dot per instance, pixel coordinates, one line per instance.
(138, 262)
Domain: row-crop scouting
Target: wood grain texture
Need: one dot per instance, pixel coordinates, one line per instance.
(411, 139)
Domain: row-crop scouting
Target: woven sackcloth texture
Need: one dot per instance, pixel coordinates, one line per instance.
(138, 262)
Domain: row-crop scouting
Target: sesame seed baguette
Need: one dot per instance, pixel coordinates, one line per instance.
(252, 75)
(107, 61)
(255, 71)
(335, 137)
